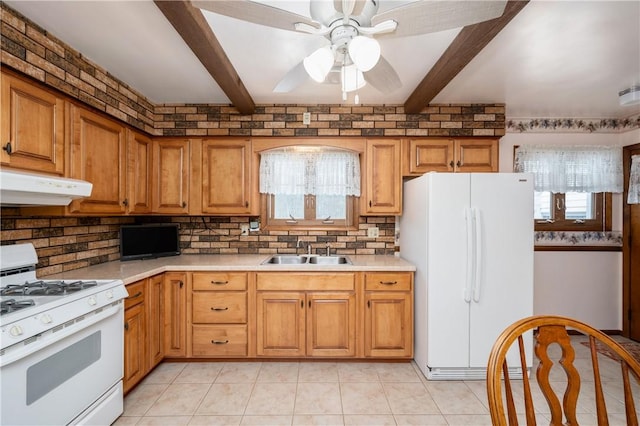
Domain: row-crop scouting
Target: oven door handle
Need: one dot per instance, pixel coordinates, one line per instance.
(49, 338)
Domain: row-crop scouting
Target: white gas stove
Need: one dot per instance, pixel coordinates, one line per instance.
(58, 338)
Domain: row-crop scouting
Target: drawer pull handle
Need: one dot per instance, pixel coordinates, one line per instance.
(138, 294)
(388, 282)
(220, 342)
(220, 309)
(219, 282)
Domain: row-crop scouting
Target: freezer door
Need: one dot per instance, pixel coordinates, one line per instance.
(503, 287)
(447, 310)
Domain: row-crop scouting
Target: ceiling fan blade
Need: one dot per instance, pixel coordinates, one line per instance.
(291, 80)
(256, 13)
(428, 16)
(383, 77)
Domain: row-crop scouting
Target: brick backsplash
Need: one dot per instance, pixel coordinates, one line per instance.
(32, 51)
(66, 243)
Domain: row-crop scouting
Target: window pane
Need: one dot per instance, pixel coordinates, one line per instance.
(333, 206)
(578, 205)
(542, 205)
(287, 206)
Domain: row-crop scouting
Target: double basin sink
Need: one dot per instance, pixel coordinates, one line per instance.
(283, 259)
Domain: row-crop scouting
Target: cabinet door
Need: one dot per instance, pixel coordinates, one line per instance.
(383, 181)
(428, 155)
(32, 127)
(280, 324)
(155, 321)
(331, 324)
(226, 177)
(170, 176)
(97, 156)
(477, 155)
(388, 325)
(139, 155)
(175, 316)
(134, 347)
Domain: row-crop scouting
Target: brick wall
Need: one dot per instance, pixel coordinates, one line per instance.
(71, 243)
(66, 243)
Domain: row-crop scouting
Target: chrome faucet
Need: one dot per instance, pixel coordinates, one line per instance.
(328, 253)
(309, 248)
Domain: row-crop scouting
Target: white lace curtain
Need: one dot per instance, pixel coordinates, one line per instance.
(317, 172)
(561, 169)
(634, 181)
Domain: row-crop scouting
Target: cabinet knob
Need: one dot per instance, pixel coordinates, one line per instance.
(246, 204)
(184, 204)
(369, 203)
(181, 284)
(459, 163)
(8, 148)
(126, 326)
(451, 164)
(125, 202)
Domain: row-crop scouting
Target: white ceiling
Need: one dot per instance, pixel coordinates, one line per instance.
(554, 59)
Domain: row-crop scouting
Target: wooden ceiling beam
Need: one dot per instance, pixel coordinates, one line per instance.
(467, 44)
(196, 32)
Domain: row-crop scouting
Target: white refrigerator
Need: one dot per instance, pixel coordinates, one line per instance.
(470, 236)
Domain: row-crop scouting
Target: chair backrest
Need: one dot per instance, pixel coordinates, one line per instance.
(549, 330)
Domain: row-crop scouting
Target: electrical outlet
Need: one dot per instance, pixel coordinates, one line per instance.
(373, 232)
(306, 118)
(244, 229)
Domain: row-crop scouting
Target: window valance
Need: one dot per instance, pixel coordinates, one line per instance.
(562, 169)
(315, 172)
(634, 181)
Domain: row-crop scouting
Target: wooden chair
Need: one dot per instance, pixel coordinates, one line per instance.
(550, 330)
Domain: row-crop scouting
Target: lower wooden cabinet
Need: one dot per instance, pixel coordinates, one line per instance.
(219, 305)
(388, 326)
(135, 339)
(319, 321)
(175, 314)
(155, 320)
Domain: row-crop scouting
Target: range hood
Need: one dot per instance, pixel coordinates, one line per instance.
(19, 188)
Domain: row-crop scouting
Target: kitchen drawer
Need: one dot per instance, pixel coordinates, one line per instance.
(219, 307)
(388, 281)
(136, 294)
(305, 281)
(219, 340)
(206, 281)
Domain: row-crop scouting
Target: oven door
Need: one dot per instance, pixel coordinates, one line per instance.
(62, 373)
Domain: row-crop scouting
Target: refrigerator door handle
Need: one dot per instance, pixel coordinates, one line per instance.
(468, 216)
(477, 219)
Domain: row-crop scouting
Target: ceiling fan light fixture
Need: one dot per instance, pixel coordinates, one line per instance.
(630, 96)
(364, 52)
(319, 63)
(351, 78)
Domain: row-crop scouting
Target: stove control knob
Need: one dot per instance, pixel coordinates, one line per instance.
(46, 319)
(15, 331)
(109, 294)
(93, 301)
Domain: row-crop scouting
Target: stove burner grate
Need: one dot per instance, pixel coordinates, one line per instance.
(46, 288)
(11, 305)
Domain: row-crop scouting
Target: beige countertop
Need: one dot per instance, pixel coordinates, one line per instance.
(134, 270)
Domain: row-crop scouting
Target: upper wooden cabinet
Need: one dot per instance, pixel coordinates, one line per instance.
(171, 159)
(98, 155)
(449, 155)
(139, 161)
(32, 127)
(382, 180)
(226, 177)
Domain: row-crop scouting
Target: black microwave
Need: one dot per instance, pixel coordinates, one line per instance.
(149, 241)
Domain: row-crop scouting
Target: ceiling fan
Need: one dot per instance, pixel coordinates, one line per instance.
(352, 57)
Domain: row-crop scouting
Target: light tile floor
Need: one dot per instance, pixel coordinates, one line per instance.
(330, 393)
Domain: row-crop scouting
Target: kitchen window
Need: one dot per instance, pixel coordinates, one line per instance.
(573, 185)
(310, 187)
